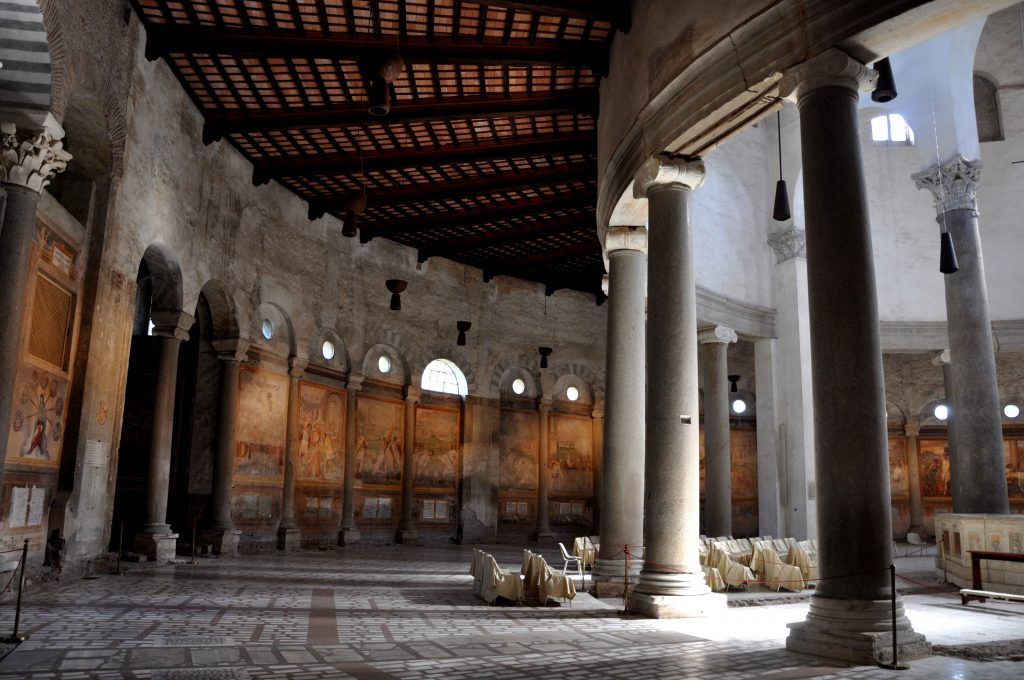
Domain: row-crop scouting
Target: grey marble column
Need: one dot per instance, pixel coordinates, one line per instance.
(912, 430)
(717, 451)
(406, 527)
(348, 533)
(289, 537)
(222, 533)
(942, 360)
(671, 582)
(851, 603)
(156, 539)
(622, 475)
(981, 486)
(26, 166)
(770, 465)
(543, 531)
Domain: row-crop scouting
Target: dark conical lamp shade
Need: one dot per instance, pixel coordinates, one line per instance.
(947, 254)
(781, 212)
(885, 88)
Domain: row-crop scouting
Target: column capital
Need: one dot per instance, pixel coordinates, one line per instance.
(941, 359)
(953, 184)
(172, 324)
(831, 68)
(912, 429)
(665, 170)
(716, 334)
(625, 238)
(231, 349)
(788, 243)
(297, 366)
(355, 382)
(412, 394)
(544, 405)
(605, 284)
(597, 414)
(35, 159)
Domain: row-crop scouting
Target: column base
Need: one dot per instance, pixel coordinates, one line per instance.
(407, 537)
(289, 538)
(348, 536)
(157, 546)
(677, 606)
(609, 576)
(859, 631)
(223, 542)
(543, 536)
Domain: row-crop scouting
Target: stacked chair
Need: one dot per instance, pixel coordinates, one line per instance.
(541, 581)
(490, 581)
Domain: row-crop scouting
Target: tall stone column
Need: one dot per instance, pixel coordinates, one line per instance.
(717, 452)
(406, 527)
(911, 431)
(543, 531)
(671, 583)
(289, 537)
(979, 431)
(769, 461)
(851, 608)
(222, 533)
(622, 475)
(26, 166)
(156, 539)
(597, 432)
(348, 533)
(942, 360)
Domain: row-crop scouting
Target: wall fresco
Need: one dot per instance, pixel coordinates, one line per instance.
(37, 425)
(379, 431)
(1013, 450)
(743, 448)
(262, 425)
(898, 475)
(517, 466)
(933, 459)
(320, 454)
(435, 448)
(570, 456)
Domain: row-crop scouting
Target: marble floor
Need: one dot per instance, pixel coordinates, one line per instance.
(409, 612)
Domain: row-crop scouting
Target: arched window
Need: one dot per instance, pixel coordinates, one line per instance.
(986, 110)
(441, 375)
(891, 129)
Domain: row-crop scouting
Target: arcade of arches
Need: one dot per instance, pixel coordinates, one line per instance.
(188, 358)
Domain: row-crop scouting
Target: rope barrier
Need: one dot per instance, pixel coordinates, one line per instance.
(13, 572)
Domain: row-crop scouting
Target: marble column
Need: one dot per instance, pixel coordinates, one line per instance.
(27, 164)
(543, 531)
(942, 360)
(671, 582)
(597, 432)
(717, 452)
(979, 430)
(156, 539)
(911, 431)
(348, 533)
(289, 537)
(222, 533)
(850, 612)
(622, 476)
(406, 527)
(770, 470)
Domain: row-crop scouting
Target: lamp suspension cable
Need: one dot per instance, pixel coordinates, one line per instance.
(947, 253)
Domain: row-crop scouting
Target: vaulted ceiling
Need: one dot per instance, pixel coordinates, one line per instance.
(488, 154)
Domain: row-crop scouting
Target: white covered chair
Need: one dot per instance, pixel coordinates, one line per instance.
(773, 572)
(805, 556)
(500, 583)
(732, 572)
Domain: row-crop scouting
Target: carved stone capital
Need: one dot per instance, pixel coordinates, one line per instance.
(941, 359)
(355, 382)
(831, 68)
(172, 324)
(911, 429)
(544, 406)
(32, 160)
(625, 238)
(788, 243)
(664, 170)
(297, 366)
(231, 349)
(716, 334)
(605, 285)
(953, 184)
(412, 394)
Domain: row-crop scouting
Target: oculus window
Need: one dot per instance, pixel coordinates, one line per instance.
(328, 350)
(518, 386)
(384, 365)
(267, 329)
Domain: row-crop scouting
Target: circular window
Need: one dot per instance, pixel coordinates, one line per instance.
(328, 350)
(739, 406)
(1011, 410)
(941, 412)
(384, 364)
(518, 386)
(572, 393)
(267, 329)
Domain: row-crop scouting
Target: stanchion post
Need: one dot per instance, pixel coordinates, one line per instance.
(120, 549)
(625, 579)
(195, 520)
(17, 637)
(895, 665)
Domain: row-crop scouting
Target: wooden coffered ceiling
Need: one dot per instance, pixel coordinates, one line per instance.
(488, 155)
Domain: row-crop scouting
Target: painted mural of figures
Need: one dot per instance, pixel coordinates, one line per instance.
(518, 453)
(35, 442)
(436, 447)
(321, 413)
(361, 449)
(379, 427)
(944, 473)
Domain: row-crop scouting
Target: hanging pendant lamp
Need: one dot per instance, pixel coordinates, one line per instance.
(545, 352)
(396, 287)
(947, 254)
(781, 212)
(462, 326)
(885, 88)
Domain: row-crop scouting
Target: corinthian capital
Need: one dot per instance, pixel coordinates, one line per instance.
(953, 184)
(34, 160)
(716, 334)
(663, 170)
(831, 68)
(787, 244)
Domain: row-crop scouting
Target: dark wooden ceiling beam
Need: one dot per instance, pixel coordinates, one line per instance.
(165, 39)
(546, 256)
(502, 237)
(615, 12)
(219, 124)
(546, 145)
(579, 200)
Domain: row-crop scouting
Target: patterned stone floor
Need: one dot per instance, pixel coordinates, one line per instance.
(398, 612)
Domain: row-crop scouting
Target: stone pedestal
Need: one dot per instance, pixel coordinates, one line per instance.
(289, 538)
(677, 606)
(157, 543)
(348, 536)
(223, 542)
(407, 537)
(859, 631)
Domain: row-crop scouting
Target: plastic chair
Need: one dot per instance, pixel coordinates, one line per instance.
(571, 559)
(916, 545)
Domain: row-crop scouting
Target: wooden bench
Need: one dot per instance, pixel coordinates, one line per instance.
(975, 592)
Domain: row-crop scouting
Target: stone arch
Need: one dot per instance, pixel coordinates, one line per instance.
(399, 372)
(165, 278)
(567, 380)
(894, 415)
(340, 361)
(584, 375)
(502, 374)
(282, 340)
(986, 108)
(223, 310)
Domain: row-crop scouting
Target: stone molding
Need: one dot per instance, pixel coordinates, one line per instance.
(544, 405)
(953, 184)
(355, 382)
(788, 243)
(412, 394)
(911, 429)
(716, 334)
(749, 319)
(664, 170)
(34, 161)
(831, 68)
(297, 366)
(172, 324)
(625, 238)
(231, 349)
(941, 359)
